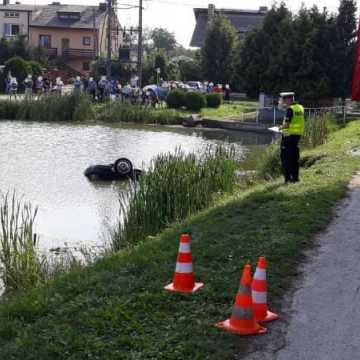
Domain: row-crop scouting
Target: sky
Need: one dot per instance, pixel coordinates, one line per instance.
(177, 15)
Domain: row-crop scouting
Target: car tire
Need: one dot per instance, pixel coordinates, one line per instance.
(123, 167)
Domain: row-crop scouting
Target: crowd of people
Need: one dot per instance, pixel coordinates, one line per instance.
(104, 89)
(40, 86)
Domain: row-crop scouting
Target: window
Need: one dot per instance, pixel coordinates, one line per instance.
(11, 14)
(86, 40)
(86, 66)
(69, 15)
(45, 41)
(11, 29)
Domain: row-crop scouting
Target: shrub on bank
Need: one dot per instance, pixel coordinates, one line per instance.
(119, 112)
(194, 101)
(175, 186)
(75, 107)
(175, 99)
(213, 100)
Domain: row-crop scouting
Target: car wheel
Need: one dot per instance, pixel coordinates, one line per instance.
(123, 167)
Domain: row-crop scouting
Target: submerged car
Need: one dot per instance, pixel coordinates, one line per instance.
(121, 169)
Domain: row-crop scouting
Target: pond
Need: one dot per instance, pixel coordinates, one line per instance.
(44, 163)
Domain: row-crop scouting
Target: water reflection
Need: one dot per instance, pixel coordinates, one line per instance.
(45, 163)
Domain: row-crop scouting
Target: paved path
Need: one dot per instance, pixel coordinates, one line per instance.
(323, 314)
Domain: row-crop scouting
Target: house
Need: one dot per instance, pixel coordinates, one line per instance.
(242, 20)
(15, 19)
(73, 34)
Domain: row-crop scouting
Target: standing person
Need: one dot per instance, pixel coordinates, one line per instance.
(292, 130)
(13, 88)
(39, 86)
(227, 92)
(28, 83)
(92, 88)
(102, 85)
(78, 85)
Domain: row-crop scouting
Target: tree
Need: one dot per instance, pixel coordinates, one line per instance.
(345, 47)
(189, 69)
(217, 53)
(161, 62)
(163, 39)
(263, 55)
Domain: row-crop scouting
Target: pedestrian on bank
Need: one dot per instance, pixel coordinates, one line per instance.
(13, 88)
(92, 88)
(227, 92)
(28, 84)
(292, 130)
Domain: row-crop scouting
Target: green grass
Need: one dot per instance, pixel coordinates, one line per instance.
(226, 110)
(175, 186)
(117, 308)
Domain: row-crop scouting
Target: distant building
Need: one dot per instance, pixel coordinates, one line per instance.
(15, 19)
(76, 34)
(242, 20)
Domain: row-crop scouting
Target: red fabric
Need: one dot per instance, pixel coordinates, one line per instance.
(356, 74)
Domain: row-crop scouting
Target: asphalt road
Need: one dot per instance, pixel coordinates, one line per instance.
(322, 317)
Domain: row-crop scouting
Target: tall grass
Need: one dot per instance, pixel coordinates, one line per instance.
(9, 109)
(22, 265)
(316, 130)
(74, 107)
(175, 186)
(119, 112)
(19, 263)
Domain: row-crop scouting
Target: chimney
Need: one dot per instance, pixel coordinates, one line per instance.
(211, 12)
(6, 2)
(102, 6)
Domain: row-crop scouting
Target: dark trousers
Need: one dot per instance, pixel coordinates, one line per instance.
(290, 156)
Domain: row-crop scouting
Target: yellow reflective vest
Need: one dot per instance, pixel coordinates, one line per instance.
(297, 123)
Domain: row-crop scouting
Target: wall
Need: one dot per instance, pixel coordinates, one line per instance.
(75, 37)
(22, 20)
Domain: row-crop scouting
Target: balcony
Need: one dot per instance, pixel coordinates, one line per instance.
(78, 53)
(50, 52)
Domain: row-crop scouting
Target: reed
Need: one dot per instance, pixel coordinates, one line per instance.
(119, 112)
(174, 187)
(74, 107)
(316, 130)
(20, 267)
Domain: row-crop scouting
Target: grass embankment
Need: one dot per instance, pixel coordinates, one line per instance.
(80, 108)
(117, 308)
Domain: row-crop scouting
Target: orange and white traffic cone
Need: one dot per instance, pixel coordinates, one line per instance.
(259, 293)
(242, 320)
(184, 277)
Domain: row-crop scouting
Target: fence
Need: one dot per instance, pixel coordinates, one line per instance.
(275, 116)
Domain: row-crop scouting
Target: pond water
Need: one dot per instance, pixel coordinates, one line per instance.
(44, 163)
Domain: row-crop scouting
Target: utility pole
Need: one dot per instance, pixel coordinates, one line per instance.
(109, 40)
(140, 43)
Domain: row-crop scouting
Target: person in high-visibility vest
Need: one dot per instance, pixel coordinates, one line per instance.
(292, 130)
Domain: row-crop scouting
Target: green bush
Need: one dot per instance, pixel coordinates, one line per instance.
(194, 101)
(18, 68)
(174, 187)
(175, 99)
(213, 100)
(35, 68)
